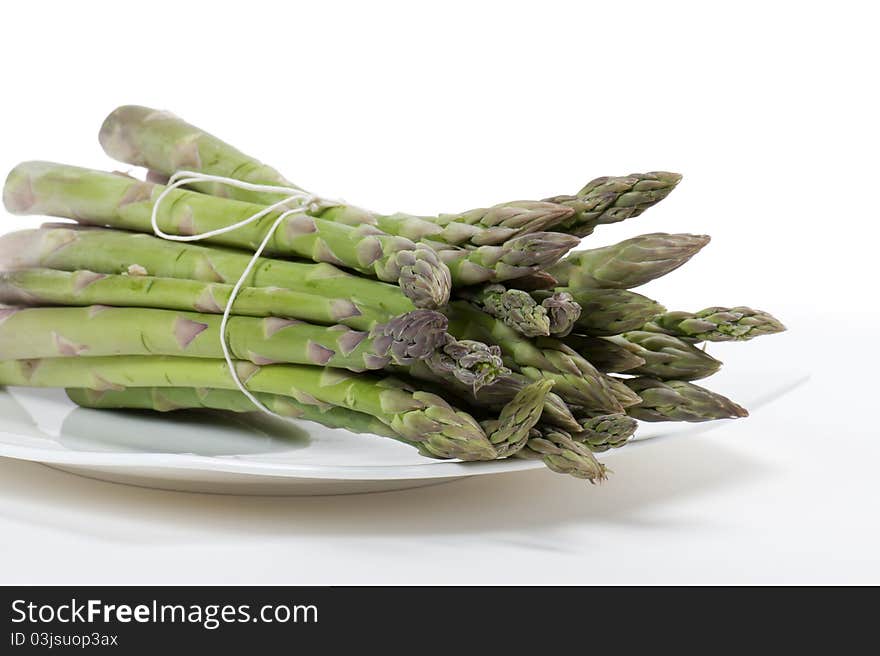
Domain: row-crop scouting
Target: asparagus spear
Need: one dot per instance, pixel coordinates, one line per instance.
(605, 432)
(717, 324)
(514, 307)
(612, 199)
(422, 417)
(577, 381)
(510, 432)
(99, 198)
(114, 252)
(487, 226)
(630, 263)
(666, 356)
(83, 288)
(563, 455)
(166, 144)
(514, 258)
(677, 400)
(102, 331)
(605, 355)
(563, 312)
(467, 362)
(608, 311)
(169, 399)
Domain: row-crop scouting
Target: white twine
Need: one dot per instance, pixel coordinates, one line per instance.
(307, 202)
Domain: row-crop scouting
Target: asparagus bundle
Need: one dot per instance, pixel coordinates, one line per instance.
(469, 335)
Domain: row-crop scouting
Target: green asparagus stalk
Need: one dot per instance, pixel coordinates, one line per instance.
(103, 331)
(514, 307)
(605, 432)
(99, 198)
(717, 324)
(577, 381)
(114, 252)
(608, 311)
(563, 455)
(603, 354)
(628, 264)
(84, 288)
(169, 399)
(677, 400)
(441, 429)
(563, 312)
(612, 199)
(514, 258)
(510, 432)
(488, 226)
(666, 357)
(160, 141)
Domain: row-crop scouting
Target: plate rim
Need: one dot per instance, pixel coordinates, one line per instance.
(239, 464)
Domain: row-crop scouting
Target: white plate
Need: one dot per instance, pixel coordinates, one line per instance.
(241, 454)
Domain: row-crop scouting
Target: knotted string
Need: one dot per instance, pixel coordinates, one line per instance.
(306, 202)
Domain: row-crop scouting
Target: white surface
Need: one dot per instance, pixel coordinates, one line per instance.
(768, 108)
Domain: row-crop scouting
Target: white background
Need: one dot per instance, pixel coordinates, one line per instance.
(770, 111)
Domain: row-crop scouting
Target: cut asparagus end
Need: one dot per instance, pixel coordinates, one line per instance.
(26, 249)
